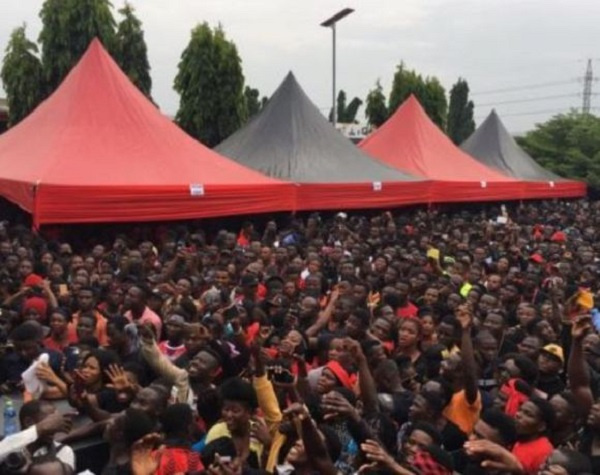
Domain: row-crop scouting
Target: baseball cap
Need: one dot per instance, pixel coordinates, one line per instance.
(558, 236)
(537, 258)
(554, 350)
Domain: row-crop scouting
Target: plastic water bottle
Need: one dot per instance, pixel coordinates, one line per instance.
(10, 418)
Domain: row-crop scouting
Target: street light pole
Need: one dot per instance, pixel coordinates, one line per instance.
(331, 22)
(333, 99)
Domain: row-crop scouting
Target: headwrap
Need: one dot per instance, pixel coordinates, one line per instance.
(36, 303)
(515, 398)
(347, 379)
(33, 280)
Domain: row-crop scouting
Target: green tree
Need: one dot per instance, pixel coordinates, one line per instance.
(68, 27)
(253, 102)
(131, 51)
(352, 110)
(460, 113)
(345, 113)
(376, 110)
(428, 91)
(567, 144)
(434, 102)
(210, 83)
(340, 107)
(21, 75)
(405, 83)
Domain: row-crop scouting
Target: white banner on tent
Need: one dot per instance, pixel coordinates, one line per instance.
(196, 189)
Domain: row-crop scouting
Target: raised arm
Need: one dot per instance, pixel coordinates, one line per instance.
(368, 389)
(52, 301)
(313, 443)
(577, 368)
(267, 400)
(162, 366)
(324, 316)
(465, 317)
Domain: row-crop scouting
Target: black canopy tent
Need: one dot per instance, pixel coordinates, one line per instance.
(291, 140)
(492, 145)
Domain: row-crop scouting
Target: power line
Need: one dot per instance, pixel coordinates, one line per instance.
(525, 87)
(531, 99)
(538, 112)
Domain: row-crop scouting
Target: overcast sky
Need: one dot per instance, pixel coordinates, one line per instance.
(494, 44)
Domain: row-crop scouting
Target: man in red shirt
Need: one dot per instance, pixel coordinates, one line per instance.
(406, 309)
(533, 420)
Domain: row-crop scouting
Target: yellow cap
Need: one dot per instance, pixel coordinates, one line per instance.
(555, 350)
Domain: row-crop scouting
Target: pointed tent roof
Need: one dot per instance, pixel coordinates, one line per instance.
(98, 150)
(492, 145)
(411, 142)
(290, 139)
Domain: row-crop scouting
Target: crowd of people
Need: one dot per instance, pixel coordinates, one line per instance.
(423, 342)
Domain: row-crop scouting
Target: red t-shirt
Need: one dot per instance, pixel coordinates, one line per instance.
(408, 311)
(243, 240)
(178, 460)
(533, 454)
(52, 344)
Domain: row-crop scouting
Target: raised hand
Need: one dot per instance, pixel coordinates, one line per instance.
(495, 457)
(465, 316)
(54, 424)
(143, 460)
(334, 404)
(354, 349)
(260, 431)
(296, 411)
(146, 332)
(118, 379)
(377, 457)
(45, 373)
(581, 327)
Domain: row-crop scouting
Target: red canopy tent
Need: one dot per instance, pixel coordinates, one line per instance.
(98, 150)
(411, 142)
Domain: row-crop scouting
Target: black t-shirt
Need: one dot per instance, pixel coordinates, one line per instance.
(401, 403)
(508, 346)
(453, 438)
(585, 447)
(551, 385)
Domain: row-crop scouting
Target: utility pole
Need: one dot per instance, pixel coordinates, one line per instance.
(587, 88)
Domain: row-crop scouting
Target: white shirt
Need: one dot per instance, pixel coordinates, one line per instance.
(63, 452)
(17, 442)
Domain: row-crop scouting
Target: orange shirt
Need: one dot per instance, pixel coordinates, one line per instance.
(463, 414)
(101, 324)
